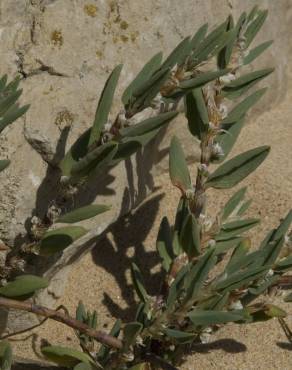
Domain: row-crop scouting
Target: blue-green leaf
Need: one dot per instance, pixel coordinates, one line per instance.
(236, 169)
(104, 105)
(178, 169)
(146, 72)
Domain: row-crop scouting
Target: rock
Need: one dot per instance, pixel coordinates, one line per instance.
(64, 51)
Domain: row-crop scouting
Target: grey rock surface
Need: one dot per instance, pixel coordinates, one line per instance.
(64, 50)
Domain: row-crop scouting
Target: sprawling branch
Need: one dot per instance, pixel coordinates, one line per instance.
(98, 335)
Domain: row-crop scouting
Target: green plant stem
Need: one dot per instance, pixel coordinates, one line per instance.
(98, 335)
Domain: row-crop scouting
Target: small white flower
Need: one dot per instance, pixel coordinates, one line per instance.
(270, 273)
(205, 336)
(212, 126)
(217, 150)
(211, 243)
(226, 79)
(203, 168)
(236, 305)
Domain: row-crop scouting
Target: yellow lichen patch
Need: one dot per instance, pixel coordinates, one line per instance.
(57, 38)
(90, 9)
(64, 119)
(124, 38)
(124, 25)
(99, 53)
(134, 36)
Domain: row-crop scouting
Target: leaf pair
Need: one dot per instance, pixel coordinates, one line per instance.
(81, 159)
(57, 240)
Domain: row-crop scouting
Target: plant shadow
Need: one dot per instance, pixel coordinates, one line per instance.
(226, 344)
(122, 245)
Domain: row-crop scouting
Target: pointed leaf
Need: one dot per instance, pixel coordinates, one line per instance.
(8, 101)
(257, 51)
(223, 57)
(178, 55)
(254, 27)
(12, 115)
(240, 279)
(272, 251)
(104, 351)
(222, 246)
(83, 213)
(176, 286)
(283, 265)
(95, 160)
(138, 283)
(81, 314)
(254, 11)
(240, 110)
(198, 274)
(206, 318)
(130, 145)
(180, 337)
(190, 236)
(198, 37)
(131, 331)
(202, 79)
(283, 227)
(242, 84)
(196, 113)
(104, 105)
(65, 356)
(3, 82)
(143, 96)
(77, 151)
(148, 125)
(236, 169)
(57, 240)
(236, 228)
(233, 203)
(228, 138)
(212, 44)
(146, 72)
(238, 254)
(178, 168)
(181, 214)
(23, 285)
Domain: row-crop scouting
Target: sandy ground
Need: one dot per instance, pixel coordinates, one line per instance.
(101, 278)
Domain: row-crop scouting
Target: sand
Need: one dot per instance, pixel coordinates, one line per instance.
(101, 278)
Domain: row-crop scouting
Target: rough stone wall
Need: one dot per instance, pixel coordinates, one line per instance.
(64, 50)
